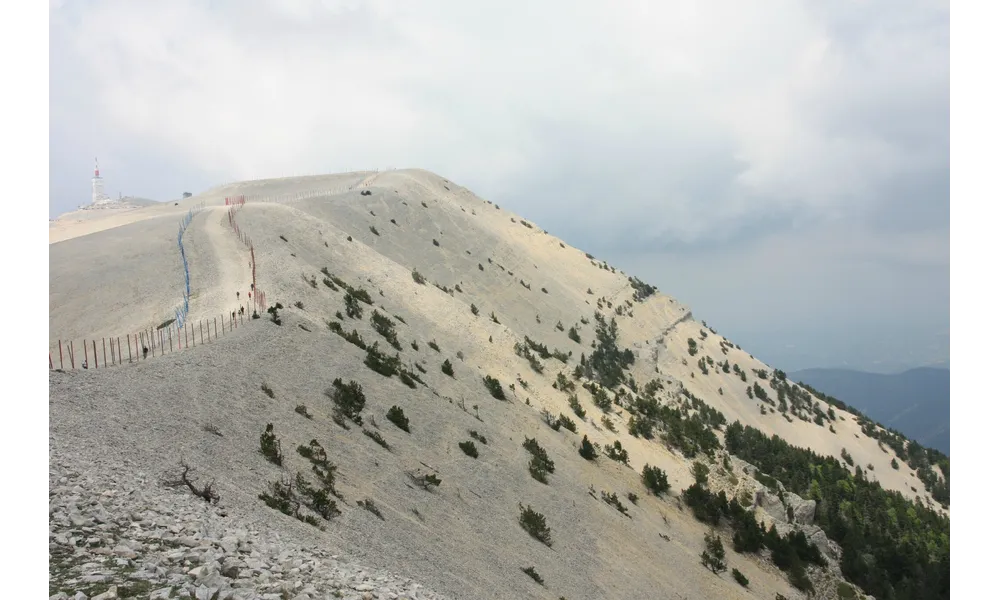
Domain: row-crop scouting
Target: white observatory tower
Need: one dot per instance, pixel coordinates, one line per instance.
(97, 186)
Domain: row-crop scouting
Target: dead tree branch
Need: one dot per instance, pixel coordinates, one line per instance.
(206, 493)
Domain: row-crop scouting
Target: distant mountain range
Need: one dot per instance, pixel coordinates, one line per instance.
(916, 402)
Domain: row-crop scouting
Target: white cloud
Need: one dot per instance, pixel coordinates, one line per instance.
(485, 95)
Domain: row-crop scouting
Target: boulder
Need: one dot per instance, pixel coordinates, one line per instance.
(805, 512)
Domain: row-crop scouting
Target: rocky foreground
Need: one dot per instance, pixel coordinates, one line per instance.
(120, 534)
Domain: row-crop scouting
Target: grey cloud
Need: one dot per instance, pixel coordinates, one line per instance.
(835, 293)
(703, 132)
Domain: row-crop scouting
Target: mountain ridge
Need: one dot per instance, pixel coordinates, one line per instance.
(458, 278)
(915, 401)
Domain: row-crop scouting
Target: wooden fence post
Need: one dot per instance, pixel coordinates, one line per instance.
(85, 357)
(170, 336)
(118, 344)
(72, 360)
(129, 342)
(50, 360)
(201, 333)
(60, 355)
(103, 345)
(216, 325)
(94, 343)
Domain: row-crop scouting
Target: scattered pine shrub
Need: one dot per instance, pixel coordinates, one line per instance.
(530, 571)
(655, 480)
(534, 523)
(494, 387)
(381, 363)
(270, 445)
(384, 326)
(616, 452)
(369, 505)
(396, 416)
(348, 399)
(540, 464)
(608, 424)
(377, 438)
(469, 448)
(567, 422)
(713, 557)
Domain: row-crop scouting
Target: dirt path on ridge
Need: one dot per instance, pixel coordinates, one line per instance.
(214, 286)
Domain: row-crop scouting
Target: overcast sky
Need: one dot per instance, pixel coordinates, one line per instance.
(781, 166)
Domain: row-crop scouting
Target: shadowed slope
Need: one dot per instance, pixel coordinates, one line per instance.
(115, 281)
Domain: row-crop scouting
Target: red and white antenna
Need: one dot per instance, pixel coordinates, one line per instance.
(97, 186)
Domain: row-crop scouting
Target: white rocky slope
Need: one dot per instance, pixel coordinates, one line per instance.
(116, 531)
(463, 538)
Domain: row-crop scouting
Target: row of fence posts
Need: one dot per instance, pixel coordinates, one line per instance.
(259, 297)
(294, 196)
(162, 339)
(153, 339)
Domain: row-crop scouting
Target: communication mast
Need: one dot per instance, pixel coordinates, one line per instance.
(97, 186)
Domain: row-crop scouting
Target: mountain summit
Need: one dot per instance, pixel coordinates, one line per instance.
(441, 390)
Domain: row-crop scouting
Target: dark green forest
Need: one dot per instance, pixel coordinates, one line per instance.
(919, 458)
(790, 553)
(893, 548)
